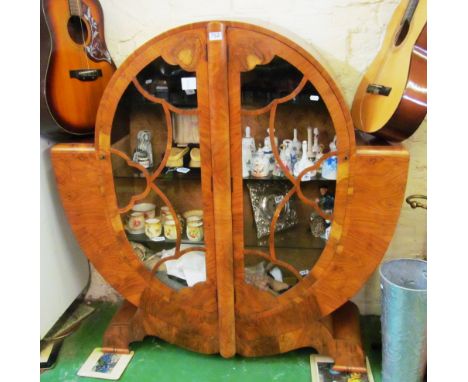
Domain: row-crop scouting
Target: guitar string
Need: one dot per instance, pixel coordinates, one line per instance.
(82, 33)
(75, 11)
(83, 37)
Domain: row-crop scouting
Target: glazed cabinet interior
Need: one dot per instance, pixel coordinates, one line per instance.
(222, 170)
(156, 103)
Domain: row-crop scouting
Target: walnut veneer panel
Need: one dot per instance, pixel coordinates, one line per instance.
(79, 180)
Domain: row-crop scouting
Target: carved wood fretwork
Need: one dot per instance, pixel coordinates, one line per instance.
(249, 53)
(185, 50)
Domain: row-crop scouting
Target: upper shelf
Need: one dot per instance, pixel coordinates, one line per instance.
(259, 87)
(168, 174)
(252, 99)
(271, 177)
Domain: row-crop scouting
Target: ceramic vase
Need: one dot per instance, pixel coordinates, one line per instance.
(268, 151)
(248, 150)
(303, 163)
(296, 144)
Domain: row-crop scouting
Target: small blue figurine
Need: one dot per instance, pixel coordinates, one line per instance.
(326, 201)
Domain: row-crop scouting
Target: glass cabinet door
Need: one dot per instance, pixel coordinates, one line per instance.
(286, 173)
(160, 168)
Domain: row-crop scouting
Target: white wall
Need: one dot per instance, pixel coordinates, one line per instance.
(64, 268)
(346, 34)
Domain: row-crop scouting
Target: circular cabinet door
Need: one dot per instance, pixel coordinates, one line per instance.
(153, 133)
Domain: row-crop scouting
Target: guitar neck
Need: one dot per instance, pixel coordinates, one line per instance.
(75, 7)
(409, 13)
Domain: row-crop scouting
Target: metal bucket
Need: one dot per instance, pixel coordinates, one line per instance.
(404, 317)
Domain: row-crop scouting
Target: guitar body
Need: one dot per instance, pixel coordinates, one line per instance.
(400, 68)
(79, 66)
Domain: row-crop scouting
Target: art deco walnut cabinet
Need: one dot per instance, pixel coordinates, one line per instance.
(238, 75)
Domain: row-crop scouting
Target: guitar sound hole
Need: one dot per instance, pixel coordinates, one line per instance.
(77, 29)
(402, 33)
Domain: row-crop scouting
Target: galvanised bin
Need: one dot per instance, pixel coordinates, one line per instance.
(404, 318)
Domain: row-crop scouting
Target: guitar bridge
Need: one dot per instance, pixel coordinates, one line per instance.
(86, 74)
(379, 89)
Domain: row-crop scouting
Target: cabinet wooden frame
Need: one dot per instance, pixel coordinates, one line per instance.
(224, 314)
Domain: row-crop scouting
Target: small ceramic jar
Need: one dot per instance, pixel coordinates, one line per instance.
(195, 230)
(193, 218)
(153, 227)
(169, 216)
(170, 231)
(164, 211)
(136, 222)
(148, 209)
(261, 164)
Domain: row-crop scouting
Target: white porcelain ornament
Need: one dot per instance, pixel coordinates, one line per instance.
(303, 163)
(329, 165)
(268, 151)
(285, 157)
(260, 164)
(248, 151)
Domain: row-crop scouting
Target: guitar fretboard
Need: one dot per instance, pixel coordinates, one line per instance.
(410, 11)
(75, 7)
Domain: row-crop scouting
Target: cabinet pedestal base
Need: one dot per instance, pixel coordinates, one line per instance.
(346, 348)
(337, 336)
(123, 330)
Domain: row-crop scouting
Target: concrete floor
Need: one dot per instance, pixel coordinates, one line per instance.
(156, 360)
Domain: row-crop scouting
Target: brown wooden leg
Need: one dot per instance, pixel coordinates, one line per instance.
(347, 351)
(123, 329)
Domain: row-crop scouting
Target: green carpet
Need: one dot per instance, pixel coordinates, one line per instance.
(158, 361)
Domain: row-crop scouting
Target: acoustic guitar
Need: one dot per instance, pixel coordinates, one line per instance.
(79, 66)
(390, 101)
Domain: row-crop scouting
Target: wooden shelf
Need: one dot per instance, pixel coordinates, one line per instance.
(276, 178)
(193, 174)
(163, 244)
(184, 192)
(300, 259)
(175, 98)
(298, 237)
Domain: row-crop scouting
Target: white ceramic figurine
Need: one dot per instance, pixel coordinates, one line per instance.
(144, 153)
(303, 163)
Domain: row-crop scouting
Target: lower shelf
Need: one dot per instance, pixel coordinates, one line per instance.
(164, 243)
(298, 237)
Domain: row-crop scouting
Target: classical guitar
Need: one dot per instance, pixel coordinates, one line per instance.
(79, 66)
(391, 99)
